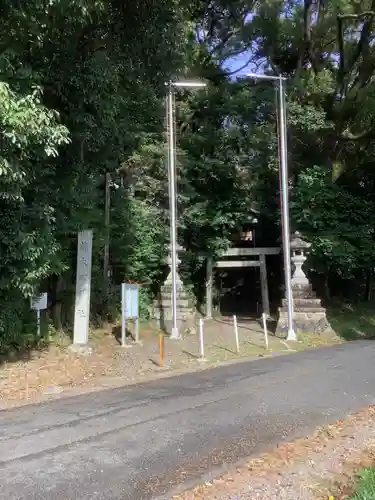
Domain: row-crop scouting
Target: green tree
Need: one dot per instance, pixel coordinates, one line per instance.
(28, 248)
(337, 223)
(101, 73)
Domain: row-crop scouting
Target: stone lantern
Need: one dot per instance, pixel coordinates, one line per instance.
(168, 281)
(308, 314)
(299, 248)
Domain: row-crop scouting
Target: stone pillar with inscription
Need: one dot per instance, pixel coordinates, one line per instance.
(308, 314)
(83, 288)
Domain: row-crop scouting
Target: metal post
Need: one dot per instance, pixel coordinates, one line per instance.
(264, 320)
(201, 340)
(123, 316)
(264, 285)
(175, 334)
(38, 322)
(137, 330)
(209, 286)
(236, 333)
(285, 208)
(161, 350)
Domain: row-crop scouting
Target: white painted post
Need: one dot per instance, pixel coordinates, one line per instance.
(123, 316)
(201, 339)
(264, 284)
(38, 321)
(83, 288)
(264, 318)
(137, 330)
(209, 286)
(236, 333)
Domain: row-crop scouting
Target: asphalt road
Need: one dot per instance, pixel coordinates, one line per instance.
(138, 442)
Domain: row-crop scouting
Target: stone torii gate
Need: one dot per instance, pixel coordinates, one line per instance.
(260, 253)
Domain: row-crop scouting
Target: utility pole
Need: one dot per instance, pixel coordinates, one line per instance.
(107, 206)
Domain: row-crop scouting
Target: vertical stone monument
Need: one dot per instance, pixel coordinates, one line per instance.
(83, 288)
(308, 314)
(163, 304)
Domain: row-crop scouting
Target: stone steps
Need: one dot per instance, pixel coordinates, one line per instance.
(301, 294)
(303, 302)
(307, 310)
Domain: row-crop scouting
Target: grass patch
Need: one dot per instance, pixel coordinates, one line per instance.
(353, 321)
(365, 489)
(309, 340)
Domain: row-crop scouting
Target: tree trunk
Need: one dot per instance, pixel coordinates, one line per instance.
(56, 305)
(368, 296)
(56, 315)
(327, 291)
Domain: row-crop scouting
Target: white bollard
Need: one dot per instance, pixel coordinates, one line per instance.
(264, 319)
(236, 333)
(38, 322)
(201, 339)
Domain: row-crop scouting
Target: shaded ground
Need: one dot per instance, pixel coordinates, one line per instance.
(353, 321)
(56, 370)
(142, 441)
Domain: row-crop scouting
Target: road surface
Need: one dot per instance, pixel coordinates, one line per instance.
(137, 443)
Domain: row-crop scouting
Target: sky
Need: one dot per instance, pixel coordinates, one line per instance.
(237, 62)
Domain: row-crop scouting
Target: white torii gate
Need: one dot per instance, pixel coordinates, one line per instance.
(228, 263)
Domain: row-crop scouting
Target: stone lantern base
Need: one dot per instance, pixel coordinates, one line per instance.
(308, 314)
(162, 306)
(162, 310)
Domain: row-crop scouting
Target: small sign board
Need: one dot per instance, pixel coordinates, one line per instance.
(39, 303)
(130, 308)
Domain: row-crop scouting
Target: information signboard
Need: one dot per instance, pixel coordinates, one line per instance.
(130, 309)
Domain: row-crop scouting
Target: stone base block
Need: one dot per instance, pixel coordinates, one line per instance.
(304, 292)
(183, 302)
(162, 310)
(302, 302)
(310, 309)
(165, 313)
(81, 349)
(186, 320)
(186, 326)
(304, 322)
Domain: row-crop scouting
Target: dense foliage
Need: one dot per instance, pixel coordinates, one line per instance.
(82, 94)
